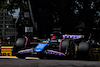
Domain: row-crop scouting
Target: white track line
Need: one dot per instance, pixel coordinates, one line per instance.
(8, 57)
(32, 58)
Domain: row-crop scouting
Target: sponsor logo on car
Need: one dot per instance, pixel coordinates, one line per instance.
(26, 51)
(55, 52)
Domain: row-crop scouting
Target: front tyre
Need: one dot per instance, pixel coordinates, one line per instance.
(64, 45)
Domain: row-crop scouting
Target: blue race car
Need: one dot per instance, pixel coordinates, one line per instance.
(70, 46)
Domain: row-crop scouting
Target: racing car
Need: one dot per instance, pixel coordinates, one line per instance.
(70, 46)
(66, 47)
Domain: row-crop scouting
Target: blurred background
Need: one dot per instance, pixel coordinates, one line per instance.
(41, 17)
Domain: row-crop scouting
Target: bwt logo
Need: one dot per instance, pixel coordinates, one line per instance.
(55, 53)
(73, 36)
(26, 51)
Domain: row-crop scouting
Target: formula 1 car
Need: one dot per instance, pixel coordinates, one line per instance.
(71, 46)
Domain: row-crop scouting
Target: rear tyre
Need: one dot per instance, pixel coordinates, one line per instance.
(19, 45)
(20, 42)
(83, 50)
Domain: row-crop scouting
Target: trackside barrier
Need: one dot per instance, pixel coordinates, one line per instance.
(6, 50)
(96, 54)
(0, 46)
(0, 42)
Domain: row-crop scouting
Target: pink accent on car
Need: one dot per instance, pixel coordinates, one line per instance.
(60, 44)
(26, 41)
(54, 52)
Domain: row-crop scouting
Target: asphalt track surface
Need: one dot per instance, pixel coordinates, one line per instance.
(47, 63)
